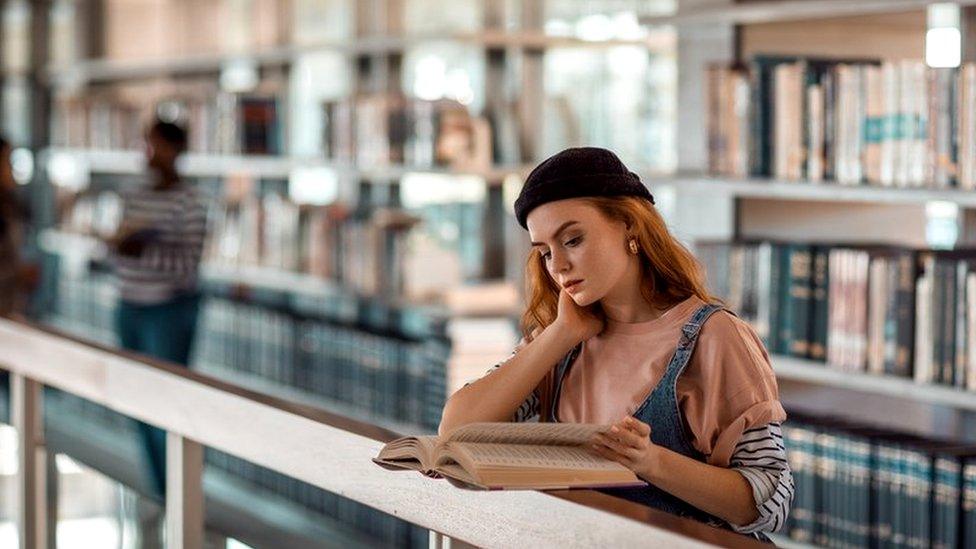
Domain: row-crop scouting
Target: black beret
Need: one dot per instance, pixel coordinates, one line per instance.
(577, 173)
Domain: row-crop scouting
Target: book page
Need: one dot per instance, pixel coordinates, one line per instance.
(408, 453)
(487, 455)
(546, 434)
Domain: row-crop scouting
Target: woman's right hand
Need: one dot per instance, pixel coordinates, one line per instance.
(581, 323)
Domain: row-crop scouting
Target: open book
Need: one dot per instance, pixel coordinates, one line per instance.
(536, 456)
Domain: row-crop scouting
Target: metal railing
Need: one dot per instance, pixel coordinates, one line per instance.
(326, 450)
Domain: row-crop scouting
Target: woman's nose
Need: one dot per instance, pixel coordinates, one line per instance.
(559, 263)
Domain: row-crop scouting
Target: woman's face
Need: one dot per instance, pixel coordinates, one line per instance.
(583, 251)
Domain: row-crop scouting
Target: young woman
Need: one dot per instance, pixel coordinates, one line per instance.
(620, 329)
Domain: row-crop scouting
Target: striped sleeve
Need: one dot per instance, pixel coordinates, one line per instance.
(529, 409)
(760, 457)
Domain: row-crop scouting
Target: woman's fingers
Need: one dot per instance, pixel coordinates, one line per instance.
(621, 448)
(609, 453)
(626, 437)
(639, 426)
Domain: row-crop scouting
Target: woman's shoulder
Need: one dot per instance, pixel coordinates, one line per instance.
(732, 336)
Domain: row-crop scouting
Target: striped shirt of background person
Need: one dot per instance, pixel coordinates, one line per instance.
(169, 265)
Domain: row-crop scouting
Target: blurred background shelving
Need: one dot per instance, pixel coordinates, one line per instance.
(361, 159)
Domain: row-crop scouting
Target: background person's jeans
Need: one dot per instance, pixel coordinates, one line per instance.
(163, 331)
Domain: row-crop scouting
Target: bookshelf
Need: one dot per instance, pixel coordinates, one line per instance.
(801, 211)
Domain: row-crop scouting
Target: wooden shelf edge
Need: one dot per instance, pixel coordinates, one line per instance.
(126, 162)
(103, 70)
(811, 191)
(788, 10)
(808, 371)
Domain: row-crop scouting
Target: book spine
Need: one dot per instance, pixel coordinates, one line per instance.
(969, 504)
(800, 295)
(959, 321)
(819, 304)
(905, 339)
(877, 305)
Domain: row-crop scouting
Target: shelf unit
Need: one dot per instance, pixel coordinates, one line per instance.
(748, 204)
(378, 54)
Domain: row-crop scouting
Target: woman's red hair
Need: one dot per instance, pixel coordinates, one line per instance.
(669, 271)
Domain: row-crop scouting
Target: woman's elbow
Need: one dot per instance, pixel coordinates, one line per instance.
(449, 421)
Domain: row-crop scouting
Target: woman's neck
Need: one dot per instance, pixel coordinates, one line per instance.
(635, 308)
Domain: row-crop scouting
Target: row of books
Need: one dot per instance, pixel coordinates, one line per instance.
(857, 486)
(883, 310)
(253, 230)
(386, 363)
(366, 250)
(88, 301)
(382, 375)
(896, 124)
(217, 123)
(392, 252)
(378, 129)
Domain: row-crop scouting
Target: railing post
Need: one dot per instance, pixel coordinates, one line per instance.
(439, 541)
(28, 420)
(184, 493)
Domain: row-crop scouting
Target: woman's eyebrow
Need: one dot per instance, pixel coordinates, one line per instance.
(559, 231)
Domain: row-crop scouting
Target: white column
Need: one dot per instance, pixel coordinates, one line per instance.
(184, 493)
(28, 420)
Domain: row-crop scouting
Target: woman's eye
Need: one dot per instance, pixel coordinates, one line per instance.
(574, 241)
(546, 256)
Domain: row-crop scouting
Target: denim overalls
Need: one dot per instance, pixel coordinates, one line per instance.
(662, 413)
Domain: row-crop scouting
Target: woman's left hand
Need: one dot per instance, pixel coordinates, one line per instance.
(628, 442)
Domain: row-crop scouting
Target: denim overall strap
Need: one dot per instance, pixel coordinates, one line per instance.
(561, 370)
(661, 409)
(662, 412)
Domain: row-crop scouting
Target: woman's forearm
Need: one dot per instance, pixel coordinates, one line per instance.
(718, 491)
(495, 397)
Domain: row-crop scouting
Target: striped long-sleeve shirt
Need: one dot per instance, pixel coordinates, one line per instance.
(169, 263)
(759, 456)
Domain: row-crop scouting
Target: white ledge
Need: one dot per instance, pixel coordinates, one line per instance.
(311, 451)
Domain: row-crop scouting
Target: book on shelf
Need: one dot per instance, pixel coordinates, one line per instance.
(863, 308)
(861, 486)
(217, 122)
(853, 121)
(384, 129)
(495, 456)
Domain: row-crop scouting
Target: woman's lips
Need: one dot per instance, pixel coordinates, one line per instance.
(572, 286)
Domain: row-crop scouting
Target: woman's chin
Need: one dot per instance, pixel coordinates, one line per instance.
(583, 299)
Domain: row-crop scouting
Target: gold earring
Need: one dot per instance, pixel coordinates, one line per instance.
(632, 244)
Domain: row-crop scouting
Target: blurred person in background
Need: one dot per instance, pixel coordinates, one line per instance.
(156, 256)
(11, 215)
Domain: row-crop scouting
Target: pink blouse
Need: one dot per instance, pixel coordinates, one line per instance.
(727, 388)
